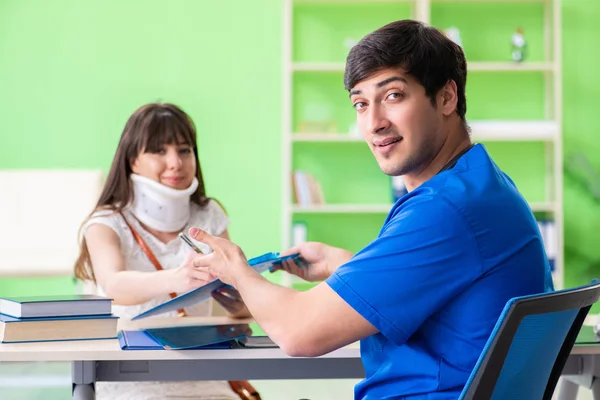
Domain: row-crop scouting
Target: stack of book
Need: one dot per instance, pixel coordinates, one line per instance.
(52, 318)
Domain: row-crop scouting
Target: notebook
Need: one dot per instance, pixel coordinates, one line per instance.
(260, 264)
(137, 340)
(181, 338)
(55, 306)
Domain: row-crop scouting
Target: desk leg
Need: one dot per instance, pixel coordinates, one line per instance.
(567, 390)
(596, 389)
(84, 378)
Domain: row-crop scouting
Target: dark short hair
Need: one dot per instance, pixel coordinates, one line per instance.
(423, 51)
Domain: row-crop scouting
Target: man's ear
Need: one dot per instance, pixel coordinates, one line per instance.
(448, 98)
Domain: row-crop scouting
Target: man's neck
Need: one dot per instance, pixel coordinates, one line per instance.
(453, 145)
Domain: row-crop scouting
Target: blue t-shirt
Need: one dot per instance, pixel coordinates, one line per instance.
(450, 254)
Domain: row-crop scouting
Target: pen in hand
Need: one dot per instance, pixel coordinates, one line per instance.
(189, 242)
(222, 291)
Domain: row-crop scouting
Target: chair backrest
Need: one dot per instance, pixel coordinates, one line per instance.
(530, 344)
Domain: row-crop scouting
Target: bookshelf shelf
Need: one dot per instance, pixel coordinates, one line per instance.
(514, 130)
(498, 131)
(318, 67)
(490, 1)
(325, 137)
(342, 209)
(380, 208)
(543, 207)
(351, 1)
(531, 125)
(509, 66)
(473, 66)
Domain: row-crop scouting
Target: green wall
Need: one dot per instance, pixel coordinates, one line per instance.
(581, 86)
(72, 71)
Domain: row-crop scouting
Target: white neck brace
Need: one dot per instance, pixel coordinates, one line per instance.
(161, 207)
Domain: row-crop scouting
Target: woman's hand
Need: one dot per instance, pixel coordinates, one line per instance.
(187, 277)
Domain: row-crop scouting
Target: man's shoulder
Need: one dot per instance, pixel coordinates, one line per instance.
(428, 201)
(426, 211)
(476, 188)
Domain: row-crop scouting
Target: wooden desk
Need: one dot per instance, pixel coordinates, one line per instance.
(103, 360)
(582, 367)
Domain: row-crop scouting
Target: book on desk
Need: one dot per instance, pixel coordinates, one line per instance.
(181, 338)
(55, 306)
(56, 318)
(203, 337)
(47, 329)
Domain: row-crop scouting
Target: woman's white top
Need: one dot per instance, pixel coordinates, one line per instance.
(212, 219)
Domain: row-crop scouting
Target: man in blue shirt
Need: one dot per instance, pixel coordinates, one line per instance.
(424, 296)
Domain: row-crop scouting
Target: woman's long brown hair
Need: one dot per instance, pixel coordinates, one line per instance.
(149, 127)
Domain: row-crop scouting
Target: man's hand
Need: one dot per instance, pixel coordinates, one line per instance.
(227, 262)
(317, 261)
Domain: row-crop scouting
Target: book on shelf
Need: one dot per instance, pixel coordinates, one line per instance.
(398, 188)
(547, 229)
(55, 306)
(299, 233)
(48, 329)
(306, 189)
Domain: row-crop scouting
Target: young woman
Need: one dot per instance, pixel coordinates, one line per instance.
(130, 251)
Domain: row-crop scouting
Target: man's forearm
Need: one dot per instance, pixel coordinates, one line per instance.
(277, 309)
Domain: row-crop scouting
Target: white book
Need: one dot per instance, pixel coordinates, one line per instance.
(552, 239)
(302, 188)
(299, 233)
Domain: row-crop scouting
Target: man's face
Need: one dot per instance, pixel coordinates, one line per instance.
(401, 126)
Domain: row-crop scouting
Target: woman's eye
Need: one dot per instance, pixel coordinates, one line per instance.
(186, 151)
(394, 96)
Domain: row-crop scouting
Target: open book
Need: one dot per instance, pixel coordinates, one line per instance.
(260, 264)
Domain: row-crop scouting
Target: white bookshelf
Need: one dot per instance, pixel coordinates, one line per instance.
(343, 209)
(547, 131)
(381, 208)
(471, 66)
(497, 131)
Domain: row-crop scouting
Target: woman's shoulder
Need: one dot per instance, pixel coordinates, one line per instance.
(108, 217)
(211, 217)
(105, 216)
